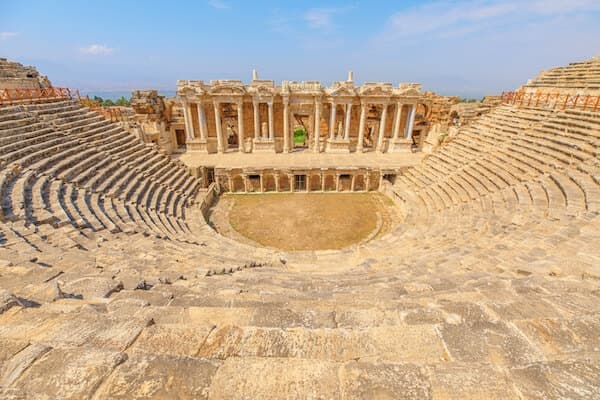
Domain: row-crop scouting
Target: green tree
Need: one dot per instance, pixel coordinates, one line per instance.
(122, 101)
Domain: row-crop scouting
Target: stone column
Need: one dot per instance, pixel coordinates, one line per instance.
(382, 128)
(291, 178)
(245, 177)
(322, 181)
(255, 105)
(187, 119)
(411, 121)
(337, 182)
(332, 121)
(397, 118)
(240, 116)
(202, 120)
(217, 107)
(367, 181)
(352, 183)
(286, 126)
(317, 130)
(361, 126)
(276, 177)
(262, 183)
(230, 181)
(347, 122)
(271, 125)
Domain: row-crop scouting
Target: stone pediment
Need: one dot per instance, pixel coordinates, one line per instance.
(376, 89)
(186, 91)
(409, 89)
(227, 89)
(408, 92)
(343, 91)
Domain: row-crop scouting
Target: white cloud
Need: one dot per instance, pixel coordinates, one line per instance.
(97, 50)
(7, 35)
(446, 19)
(319, 17)
(219, 4)
(322, 18)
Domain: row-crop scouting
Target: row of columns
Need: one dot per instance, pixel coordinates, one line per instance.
(276, 176)
(286, 128)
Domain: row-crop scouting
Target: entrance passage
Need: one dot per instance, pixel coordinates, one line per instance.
(303, 221)
(300, 182)
(180, 137)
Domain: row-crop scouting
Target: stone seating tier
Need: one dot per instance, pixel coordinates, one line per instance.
(488, 289)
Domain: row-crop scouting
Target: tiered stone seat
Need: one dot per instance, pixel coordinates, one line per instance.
(578, 75)
(67, 145)
(488, 289)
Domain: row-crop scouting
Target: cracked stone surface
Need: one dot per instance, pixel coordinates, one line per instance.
(489, 288)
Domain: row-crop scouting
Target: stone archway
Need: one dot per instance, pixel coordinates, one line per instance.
(238, 184)
(329, 182)
(315, 182)
(269, 182)
(284, 183)
(359, 182)
(345, 183)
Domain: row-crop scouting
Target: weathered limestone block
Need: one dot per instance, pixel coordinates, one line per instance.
(480, 338)
(13, 368)
(559, 380)
(68, 373)
(28, 322)
(471, 382)
(364, 380)
(7, 300)
(287, 318)
(93, 286)
(385, 343)
(272, 378)
(172, 339)
(93, 329)
(165, 377)
(561, 338)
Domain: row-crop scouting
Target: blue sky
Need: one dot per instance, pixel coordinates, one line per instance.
(467, 48)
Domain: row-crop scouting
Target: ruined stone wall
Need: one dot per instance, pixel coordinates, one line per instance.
(153, 119)
(14, 75)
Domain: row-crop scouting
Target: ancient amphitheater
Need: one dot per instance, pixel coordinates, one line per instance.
(485, 286)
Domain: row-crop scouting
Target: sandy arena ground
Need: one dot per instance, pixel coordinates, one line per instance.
(302, 221)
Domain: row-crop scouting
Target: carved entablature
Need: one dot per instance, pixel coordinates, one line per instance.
(342, 90)
(303, 92)
(263, 82)
(262, 90)
(191, 90)
(227, 88)
(304, 87)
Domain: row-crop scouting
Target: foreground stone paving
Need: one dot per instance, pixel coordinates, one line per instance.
(113, 286)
